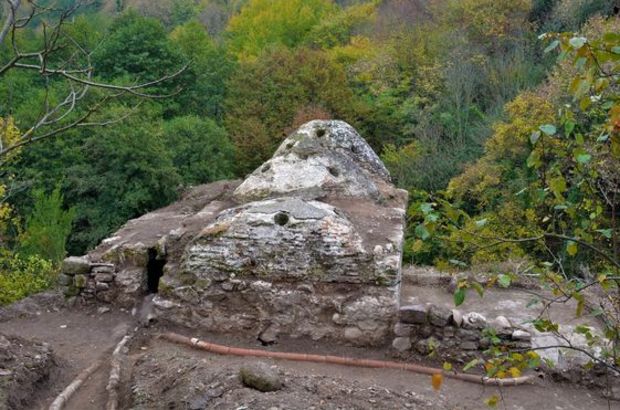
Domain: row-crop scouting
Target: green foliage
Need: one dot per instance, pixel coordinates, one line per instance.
(265, 23)
(22, 276)
(143, 43)
(123, 172)
(488, 22)
(47, 228)
(210, 68)
(266, 95)
(570, 15)
(201, 151)
(565, 206)
(170, 12)
(338, 28)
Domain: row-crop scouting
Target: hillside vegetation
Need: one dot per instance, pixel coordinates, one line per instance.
(448, 92)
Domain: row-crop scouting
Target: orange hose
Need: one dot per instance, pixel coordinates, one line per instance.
(345, 361)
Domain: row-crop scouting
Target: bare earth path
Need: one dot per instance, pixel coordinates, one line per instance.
(453, 395)
(79, 337)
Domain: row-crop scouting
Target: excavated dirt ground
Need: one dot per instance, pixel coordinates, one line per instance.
(77, 338)
(161, 375)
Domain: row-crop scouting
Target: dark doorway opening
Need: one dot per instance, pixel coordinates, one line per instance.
(154, 271)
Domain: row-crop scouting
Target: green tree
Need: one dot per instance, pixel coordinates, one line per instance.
(200, 149)
(208, 73)
(337, 28)
(266, 95)
(143, 43)
(122, 172)
(47, 227)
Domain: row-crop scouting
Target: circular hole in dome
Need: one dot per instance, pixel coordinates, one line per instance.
(265, 168)
(281, 218)
(333, 171)
(320, 132)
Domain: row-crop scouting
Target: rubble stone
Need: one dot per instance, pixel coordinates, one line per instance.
(261, 377)
(414, 314)
(75, 265)
(439, 316)
(474, 320)
(402, 344)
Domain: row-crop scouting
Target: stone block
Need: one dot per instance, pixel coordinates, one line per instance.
(501, 325)
(102, 286)
(457, 317)
(425, 331)
(522, 335)
(70, 291)
(103, 268)
(427, 346)
(402, 344)
(261, 377)
(104, 296)
(353, 334)
(104, 277)
(269, 336)
(469, 345)
(403, 330)
(75, 265)
(468, 334)
(320, 158)
(439, 316)
(414, 314)
(65, 280)
(449, 332)
(474, 320)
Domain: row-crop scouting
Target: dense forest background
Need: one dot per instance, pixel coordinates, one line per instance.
(446, 91)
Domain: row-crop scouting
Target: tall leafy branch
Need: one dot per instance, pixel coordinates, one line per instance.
(569, 204)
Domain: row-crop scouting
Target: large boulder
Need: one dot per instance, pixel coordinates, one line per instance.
(322, 158)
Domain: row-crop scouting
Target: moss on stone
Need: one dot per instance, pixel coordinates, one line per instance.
(70, 291)
(187, 279)
(80, 281)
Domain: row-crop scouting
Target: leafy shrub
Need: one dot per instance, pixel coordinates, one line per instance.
(21, 276)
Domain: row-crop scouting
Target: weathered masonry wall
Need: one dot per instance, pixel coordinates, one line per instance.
(452, 334)
(308, 245)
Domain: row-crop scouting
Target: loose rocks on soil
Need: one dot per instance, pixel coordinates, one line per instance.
(260, 376)
(165, 378)
(24, 367)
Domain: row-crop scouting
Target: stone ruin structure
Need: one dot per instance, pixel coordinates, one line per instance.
(307, 245)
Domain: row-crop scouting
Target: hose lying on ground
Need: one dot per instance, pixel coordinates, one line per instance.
(346, 361)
